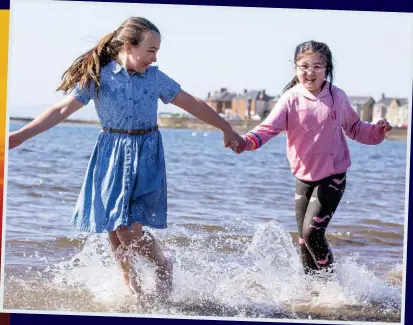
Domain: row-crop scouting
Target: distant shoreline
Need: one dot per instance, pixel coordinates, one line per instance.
(195, 124)
(68, 121)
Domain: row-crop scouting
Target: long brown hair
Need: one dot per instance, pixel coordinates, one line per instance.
(87, 66)
(323, 51)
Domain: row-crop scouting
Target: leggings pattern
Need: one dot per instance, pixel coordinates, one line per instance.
(315, 205)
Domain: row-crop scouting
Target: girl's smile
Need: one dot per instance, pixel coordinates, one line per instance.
(310, 71)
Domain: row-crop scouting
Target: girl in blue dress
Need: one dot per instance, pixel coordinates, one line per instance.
(125, 182)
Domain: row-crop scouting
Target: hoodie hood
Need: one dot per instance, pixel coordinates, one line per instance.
(300, 89)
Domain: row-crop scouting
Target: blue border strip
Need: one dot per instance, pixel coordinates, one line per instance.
(4, 4)
(24, 319)
(352, 5)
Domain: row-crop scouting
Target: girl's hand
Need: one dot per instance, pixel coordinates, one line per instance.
(237, 147)
(231, 136)
(384, 125)
(15, 139)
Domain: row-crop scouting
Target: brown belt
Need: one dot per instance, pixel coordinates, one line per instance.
(135, 132)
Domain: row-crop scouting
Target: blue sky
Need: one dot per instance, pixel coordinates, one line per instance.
(205, 48)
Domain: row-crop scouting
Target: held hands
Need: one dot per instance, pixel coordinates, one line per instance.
(238, 146)
(233, 140)
(231, 137)
(384, 125)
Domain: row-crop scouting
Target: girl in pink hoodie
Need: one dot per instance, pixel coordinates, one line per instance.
(314, 114)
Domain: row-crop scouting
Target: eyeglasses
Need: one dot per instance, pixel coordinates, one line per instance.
(317, 68)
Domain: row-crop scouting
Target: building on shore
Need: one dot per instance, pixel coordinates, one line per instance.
(251, 104)
(402, 118)
(394, 110)
(363, 106)
(221, 101)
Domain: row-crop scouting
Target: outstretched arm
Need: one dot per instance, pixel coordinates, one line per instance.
(361, 131)
(275, 123)
(202, 111)
(45, 121)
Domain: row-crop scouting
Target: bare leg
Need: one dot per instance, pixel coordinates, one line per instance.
(146, 245)
(123, 257)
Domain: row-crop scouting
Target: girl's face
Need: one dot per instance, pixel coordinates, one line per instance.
(311, 72)
(140, 57)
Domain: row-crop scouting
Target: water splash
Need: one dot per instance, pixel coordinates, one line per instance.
(262, 278)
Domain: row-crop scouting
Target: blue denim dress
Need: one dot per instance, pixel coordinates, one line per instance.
(125, 181)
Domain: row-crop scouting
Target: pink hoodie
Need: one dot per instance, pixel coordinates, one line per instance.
(316, 145)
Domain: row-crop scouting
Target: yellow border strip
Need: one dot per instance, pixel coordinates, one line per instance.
(4, 49)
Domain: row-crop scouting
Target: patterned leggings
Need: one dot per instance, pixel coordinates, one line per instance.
(315, 204)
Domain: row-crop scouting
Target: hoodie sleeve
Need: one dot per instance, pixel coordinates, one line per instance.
(356, 129)
(275, 122)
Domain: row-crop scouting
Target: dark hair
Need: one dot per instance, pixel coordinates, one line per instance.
(87, 67)
(323, 51)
